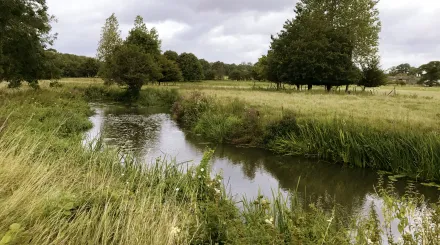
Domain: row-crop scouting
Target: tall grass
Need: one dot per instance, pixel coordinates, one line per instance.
(404, 151)
(54, 190)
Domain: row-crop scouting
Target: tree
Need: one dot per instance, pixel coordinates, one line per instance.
(132, 67)
(24, 34)
(406, 69)
(430, 73)
(259, 71)
(190, 66)
(171, 55)
(236, 75)
(147, 40)
(208, 74)
(170, 70)
(325, 41)
(110, 40)
(219, 70)
(372, 75)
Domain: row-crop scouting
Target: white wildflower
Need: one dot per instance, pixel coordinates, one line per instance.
(217, 191)
(203, 170)
(269, 221)
(369, 241)
(122, 174)
(264, 202)
(175, 230)
(177, 189)
(200, 177)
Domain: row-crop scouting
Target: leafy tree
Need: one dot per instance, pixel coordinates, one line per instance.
(219, 70)
(110, 40)
(406, 69)
(190, 66)
(324, 42)
(132, 67)
(372, 75)
(259, 71)
(207, 70)
(170, 70)
(171, 55)
(24, 34)
(147, 40)
(209, 75)
(236, 75)
(430, 73)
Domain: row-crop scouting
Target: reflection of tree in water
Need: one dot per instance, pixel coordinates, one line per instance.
(132, 129)
(348, 186)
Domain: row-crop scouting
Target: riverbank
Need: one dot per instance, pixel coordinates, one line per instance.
(53, 190)
(402, 150)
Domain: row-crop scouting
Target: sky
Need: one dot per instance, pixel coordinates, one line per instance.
(235, 31)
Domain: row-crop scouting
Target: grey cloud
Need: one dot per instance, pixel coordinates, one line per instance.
(238, 30)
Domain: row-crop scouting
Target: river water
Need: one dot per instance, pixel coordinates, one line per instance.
(151, 133)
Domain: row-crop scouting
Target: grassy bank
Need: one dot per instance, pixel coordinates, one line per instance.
(402, 149)
(53, 190)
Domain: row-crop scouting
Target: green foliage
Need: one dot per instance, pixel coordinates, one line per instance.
(110, 40)
(170, 70)
(372, 75)
(132, 67)
(24, 28)
(324, 44)
(190, 66)
(208, 73)
(147, 40)
(171, 55)
(236, 75)
(430, 73)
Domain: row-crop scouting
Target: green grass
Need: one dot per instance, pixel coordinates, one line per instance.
(53, 190)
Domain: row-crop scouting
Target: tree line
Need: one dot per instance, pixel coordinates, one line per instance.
(427, 74)
(328, 43)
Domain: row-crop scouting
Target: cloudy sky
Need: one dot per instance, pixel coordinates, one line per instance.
(238, 30)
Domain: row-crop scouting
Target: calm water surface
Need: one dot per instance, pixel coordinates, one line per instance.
(151, 133)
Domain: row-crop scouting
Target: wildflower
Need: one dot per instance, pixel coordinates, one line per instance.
(175, 230)
(265, 202)
(177, 189)
(202, 169)
(200, 177)
(122, 175)
(128, 183)
(269, 221)
(217, 191)
(369, 241)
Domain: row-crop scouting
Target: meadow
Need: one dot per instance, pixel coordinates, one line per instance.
(55, 190)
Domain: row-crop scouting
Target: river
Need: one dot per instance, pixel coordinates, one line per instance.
(151, 133)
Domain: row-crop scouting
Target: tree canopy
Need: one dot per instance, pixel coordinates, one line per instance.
(24, 35)
(190, 66)
(430, 73)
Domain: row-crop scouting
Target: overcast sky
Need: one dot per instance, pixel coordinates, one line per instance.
(233, 31)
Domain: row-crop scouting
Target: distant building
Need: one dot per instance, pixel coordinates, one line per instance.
(403, 78)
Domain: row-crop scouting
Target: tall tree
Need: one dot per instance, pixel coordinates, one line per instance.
(170, 70)
(208, 74)
(219, 70)
(132, 67)
(109, 42)
(24, 34)
(191, 68)
(147, 40)
(171, 55)
(430, 73)
(372, 75)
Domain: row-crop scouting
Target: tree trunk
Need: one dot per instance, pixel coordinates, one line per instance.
(278, 86)
(297, 87)
(346, 88)
(309, 87)
(328, 88)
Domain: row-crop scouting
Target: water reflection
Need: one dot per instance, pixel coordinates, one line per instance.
(150, 133)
